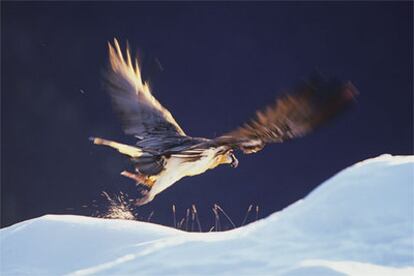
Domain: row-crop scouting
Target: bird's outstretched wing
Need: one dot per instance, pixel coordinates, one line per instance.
(308, 105)
(140, 112)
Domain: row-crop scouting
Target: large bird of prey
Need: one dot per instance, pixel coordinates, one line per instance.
(164, 154)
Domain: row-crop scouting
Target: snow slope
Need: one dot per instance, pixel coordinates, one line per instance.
(360, 222)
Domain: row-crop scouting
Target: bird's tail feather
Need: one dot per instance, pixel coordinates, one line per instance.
(122, 148)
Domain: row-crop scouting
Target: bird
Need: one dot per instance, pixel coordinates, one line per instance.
(163, 153)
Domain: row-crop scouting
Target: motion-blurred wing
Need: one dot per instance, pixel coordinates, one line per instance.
(141, 114)
(307, 106)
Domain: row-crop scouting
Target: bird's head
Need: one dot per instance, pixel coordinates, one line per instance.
(234, 162)
(227, 157)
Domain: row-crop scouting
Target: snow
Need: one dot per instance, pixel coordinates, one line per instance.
(359, 222)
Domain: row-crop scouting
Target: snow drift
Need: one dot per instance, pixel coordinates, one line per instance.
(360, 222)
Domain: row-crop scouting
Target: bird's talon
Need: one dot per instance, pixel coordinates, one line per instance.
(143, 189)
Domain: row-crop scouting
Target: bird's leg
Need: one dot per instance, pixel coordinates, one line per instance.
(133, 176)
(144, 185)
(140, 178)
(143, 200)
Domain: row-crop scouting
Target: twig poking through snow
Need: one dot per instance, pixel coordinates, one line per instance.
(192, 220)
(247, 215)
(180, 224)
(150, 216)
(186, 219)
(196, 216)
(224, 213)
(216, 219)
(175, 219)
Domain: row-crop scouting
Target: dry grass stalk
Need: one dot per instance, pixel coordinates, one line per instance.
(247, 214)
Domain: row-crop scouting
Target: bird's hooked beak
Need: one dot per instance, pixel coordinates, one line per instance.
(234, 162)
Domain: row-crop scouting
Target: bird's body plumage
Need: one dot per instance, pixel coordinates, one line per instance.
(160, 171)
(179, 166)
(164, 154)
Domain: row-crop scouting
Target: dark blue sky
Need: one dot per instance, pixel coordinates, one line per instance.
(212, 64)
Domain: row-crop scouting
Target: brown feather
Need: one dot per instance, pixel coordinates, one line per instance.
(307, 106)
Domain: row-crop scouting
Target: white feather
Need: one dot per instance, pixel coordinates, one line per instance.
(176, 168)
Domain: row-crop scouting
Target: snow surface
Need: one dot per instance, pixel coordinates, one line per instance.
(360, 222)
